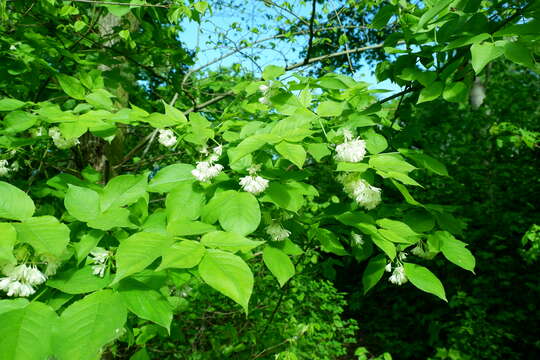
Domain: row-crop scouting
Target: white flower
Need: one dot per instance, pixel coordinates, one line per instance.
(388, 267)
(352, 150)
(254, 184)
(252, 170)
(398, 276)
(402, 256)
(206, 171)
(99, 269)
(37, 132)
(60, 141)
(4, 167)
(361, 191)
(52, 267)
(20, 280)
(5, 282)
(99, 255)
(264, 100)
(34, 276)
(218, 150)
(19, 272)
(264, 88)
(357, 239)
(166, 138)
(204, 150)
(277, 232)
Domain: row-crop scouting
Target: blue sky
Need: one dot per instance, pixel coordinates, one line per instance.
(204, 37)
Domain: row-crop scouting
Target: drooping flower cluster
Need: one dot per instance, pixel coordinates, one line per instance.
(20, 280)
(253, 183)
(206, 170)
(4, 167)
(361, 191)
(99, 257)
(398, 276)
(60, 141)
(357, 240)
(352, 150)
(264, 89)
(419, 251)
(277, 232)
(166, 138)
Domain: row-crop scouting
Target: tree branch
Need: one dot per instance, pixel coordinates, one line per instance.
(311, 32)
(164, 6)
(340, 53)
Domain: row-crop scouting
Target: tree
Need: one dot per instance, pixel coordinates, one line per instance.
(258, 173)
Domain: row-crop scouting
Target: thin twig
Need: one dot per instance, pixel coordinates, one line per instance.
(311, 32)
(164, 6)
(270, 2)
(346, 45)
(339, 53)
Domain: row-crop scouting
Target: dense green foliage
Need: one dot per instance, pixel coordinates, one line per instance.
(154, 209)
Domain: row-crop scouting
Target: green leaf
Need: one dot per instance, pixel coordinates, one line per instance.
(406, 195)
(82, 203)
(26, 332)
(419, 220)
(424, 280)
(183, 227)
(373, 272)
(455, 250)
(100, 99)
(185, 202)
(432, 11)
(425, 161)
(240, 213)
(46, 235)
(87, 243)
(279, 264)
(330, 242)
(286, 196)
(519, 54)
(14, 203)
(383, 16)
(123, 190)
(330, 108)
(396, 226)
(375, 143)
(79, 281)
(18, 121)
(484, 53)
(388, 247)
(146, 302)
(71, 86)
(182, 255)
(352, 167)
(113, 217)
(228, 241)
(390, 162)
(456, 92)
(228, 274)
(8, 237)
(295, 153)
(138, 251)
(7, 104)
(8, 305)
(430, 92)
(251, 144)
(173, 113)
(89, 324)
(171, 176)
(318, 151)
(272, 72)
